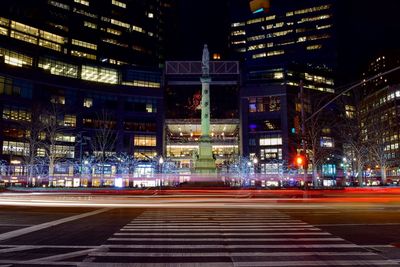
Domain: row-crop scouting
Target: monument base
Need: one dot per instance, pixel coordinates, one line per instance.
(205, 166)
(205, 163)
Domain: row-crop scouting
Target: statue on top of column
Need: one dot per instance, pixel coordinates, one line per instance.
(205, 63)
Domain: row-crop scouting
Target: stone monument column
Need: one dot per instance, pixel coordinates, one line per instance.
(205, 163)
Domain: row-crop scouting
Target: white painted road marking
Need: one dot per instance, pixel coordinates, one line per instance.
(42, 226)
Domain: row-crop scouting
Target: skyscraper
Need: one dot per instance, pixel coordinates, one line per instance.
(86, 65)
(283, 44)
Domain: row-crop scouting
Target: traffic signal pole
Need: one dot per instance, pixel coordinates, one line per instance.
(303, 131)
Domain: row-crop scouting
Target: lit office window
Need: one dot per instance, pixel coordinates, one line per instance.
(120, 23)
(113, 31)
(50, 45)
(84, 44)
(145, 140)
(65, 138)
(52, 37)
(98, 74)
(58, 4)
(16, 114)
(90, 24)
(237, 24)
(83, 54)
(271, 153)
(70, 120)
(350, 111)
(118, 3)
(4, 22)
(23, 37)
(271, 141)
(327, 142)
(137, 28)
(24, 28)
(144, 154)
(15, 148)
(58, 67)
(82, 2)
(313, 19)
(239, 32)
(147, 84)
(88, 102)
(62, 151)
(312, 9)
(56, 99)
(314, 47)
(3, 31)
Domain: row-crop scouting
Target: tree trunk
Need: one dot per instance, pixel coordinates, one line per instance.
(51, 171)
(315, 176)
(383, 174)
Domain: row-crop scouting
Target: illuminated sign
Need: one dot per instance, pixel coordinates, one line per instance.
(257, 6)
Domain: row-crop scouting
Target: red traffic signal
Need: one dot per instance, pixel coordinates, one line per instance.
(300, 161)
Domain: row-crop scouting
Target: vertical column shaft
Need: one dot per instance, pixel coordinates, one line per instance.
(205, 108)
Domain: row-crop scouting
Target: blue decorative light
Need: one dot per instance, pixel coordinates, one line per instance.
(258, 10)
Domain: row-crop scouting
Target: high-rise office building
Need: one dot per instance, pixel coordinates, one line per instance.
(86, 65)
(283, 44)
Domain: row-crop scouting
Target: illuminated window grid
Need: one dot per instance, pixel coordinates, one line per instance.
(16, 114)
(271, 141)
(15, 148)
(82, 2)
(15, 59)
(65, 138)
(137, 29)
(145, 140)
(97, 74)
(3, 31)
(58, 67)
(84, 44)
(120, 23)
(113, 31)
(147, 84)
(70, 120)
(58, 4)
(118, 3)
(83, 54)
(90, 24)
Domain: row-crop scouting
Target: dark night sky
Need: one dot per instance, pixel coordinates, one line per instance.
(366, 28)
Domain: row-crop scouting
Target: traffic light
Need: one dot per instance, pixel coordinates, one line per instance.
(300, 161)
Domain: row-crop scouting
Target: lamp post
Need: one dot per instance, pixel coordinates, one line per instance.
(255, 162)
(160, 164)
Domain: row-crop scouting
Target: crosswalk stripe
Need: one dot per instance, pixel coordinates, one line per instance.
(223, 234)
(216, 239)
(252, 246)
(213, 223)
(230, 254)
(222, 221)
(149, 226)
(247, 264)
(316, 263)
(191, 230)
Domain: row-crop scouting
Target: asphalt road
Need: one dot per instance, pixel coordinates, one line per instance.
(220, 234)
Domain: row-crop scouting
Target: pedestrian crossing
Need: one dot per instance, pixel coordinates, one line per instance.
(183, 237)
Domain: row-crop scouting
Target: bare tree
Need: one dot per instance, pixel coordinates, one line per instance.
(317, 152)
(104, 139)
(32, 131)
(318, 127)
(351, 132)
(379, 143)
(53, 127)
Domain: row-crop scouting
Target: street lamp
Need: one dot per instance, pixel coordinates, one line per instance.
(255, 162)
(160, 163)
